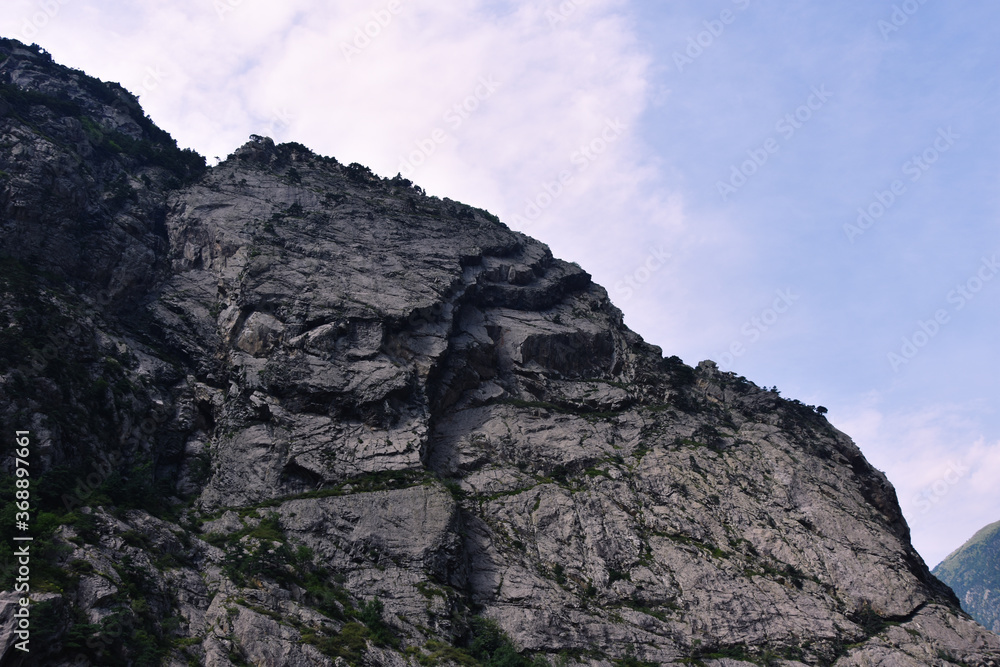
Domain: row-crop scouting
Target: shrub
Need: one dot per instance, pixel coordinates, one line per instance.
(632, 661)
(869, 620)
(491, 646)
(371, 615)
(617, 575)
(350, 643)
(269, 528)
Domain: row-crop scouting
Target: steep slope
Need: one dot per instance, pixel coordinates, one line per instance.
(286, 412)
(973, 572)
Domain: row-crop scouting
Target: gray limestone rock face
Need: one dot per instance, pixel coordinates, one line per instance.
(309, 416)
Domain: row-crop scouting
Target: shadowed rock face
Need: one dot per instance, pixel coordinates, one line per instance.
(278, 390)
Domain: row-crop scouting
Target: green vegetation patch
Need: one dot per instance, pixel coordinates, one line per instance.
(491, 646)
(351, 642)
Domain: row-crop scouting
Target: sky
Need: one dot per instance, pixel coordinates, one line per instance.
(805, 192)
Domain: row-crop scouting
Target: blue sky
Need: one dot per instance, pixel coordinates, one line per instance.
(706, 161)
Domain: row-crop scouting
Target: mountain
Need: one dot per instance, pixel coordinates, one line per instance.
(973, 572)
(282, 411)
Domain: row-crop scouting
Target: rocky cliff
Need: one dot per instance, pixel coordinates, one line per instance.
(285, 412)
(973, 572)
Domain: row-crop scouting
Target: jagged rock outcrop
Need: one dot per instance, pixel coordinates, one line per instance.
(973, 572)
(295, 414)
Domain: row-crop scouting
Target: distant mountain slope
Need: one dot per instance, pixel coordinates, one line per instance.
(973, 572)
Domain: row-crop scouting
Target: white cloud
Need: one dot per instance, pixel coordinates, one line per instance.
(378, 82)
(943, 469)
